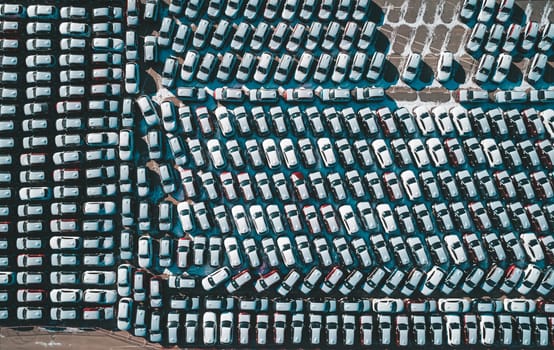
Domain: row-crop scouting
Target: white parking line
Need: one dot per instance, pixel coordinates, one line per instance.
(403, 10)
(420, 14)
(438, 11)
(546, 13)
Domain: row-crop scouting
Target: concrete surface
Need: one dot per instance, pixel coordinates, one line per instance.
(40, 338)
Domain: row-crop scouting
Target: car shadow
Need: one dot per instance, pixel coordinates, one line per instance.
(514, 78)
(548, 76)
(518, 15)
(381, 42)
(148, 85)
(390, 75)
(424, 79)
(375, 14)
(517, 56)
(458, 78)
(389, 102)
(488, 86)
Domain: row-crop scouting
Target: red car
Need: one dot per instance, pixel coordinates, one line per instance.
(455, 152)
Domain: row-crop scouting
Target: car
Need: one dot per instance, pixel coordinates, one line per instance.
(455, 248)
(434, 278)
(183, 281)
(304, 67)
(445, 67)
(169, 72)
(267, 280)
(288, 282)
(264, 67)
(206, 67)
(487, 329)
(411, 68)
(341, 68)
(232, 252)
(468, 10)
(536, 68)
(530, 279)
(289, 155)
(315, 33)
(375, 67)
(146, 106)
(503, 64)
(306, 10)
(436, 152)
(132, 78)
(510, 96)
(260, 36)
(545, 42)
(27, 313)
(216, 278)
(484, 70)
(16, 10)
(303, 247)
(529, 36)
(284, 69)
(532, 247)
(476, 39)
(296, 38)
(241, 37)
(251, 252)
(494, 38)
(65, 295)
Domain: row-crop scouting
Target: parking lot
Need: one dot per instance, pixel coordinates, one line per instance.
(278, 173)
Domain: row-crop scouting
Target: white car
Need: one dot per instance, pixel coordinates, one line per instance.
(216, 278)
(132, 78)
(484, 69)
(349, 220)
(495, 36)
(510, 96)
(238, 281)
(326, 151)
(532, 247)
(232, 251)
(492, 152)
(144, 252)
(412, 67)
(382, 153)
(267, 280)
(104, 278)
(124, 313)
(29, 313)
(251, 252)
(503, 64)
(100, 296)
(285, 248)
(529, 35)
(530, 279)
(455, 248)
(146, 106)
(445, 67)
(536, 68)
(341, 246)
(289, 281)
(65, 242)
(271, 153)
(322, 249)
(65, 295)
(424, 120)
